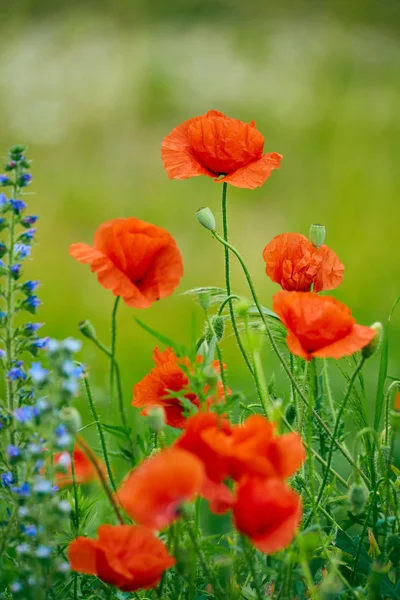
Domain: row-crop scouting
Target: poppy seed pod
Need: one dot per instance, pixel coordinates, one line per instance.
(156, 417)
(317, 235)
(206, 218)
(374, 344)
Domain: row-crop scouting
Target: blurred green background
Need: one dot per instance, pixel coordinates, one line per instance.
(93, 87)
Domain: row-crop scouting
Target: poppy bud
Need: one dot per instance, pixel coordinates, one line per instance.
(374, 344)
(87, 329)
(202, 350)
(393, 549)
(217, 328)
(242, 308)
(71, 418)
(156, 419)
(358, 495)
(317, 235)
(204, 300)
(210, 377)
(206, 218)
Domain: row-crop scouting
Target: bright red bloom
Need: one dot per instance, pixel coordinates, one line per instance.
(294, 263)
(85, 472)
(135, 260)
(126, 556)
(152, 494)
(166, 377)
(254, 449)
(216, 145)
(268, 512)
(319, 326)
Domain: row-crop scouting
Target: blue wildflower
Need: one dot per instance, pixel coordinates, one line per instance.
(31, 303)
(2, 353)
(23, 491)
(42, 405)
(21, 251)
(16, 271)
(35, 449)
(25, 179)
(29, 220)
(60, 430)
(39, 464)
(71, 369)
(41, 343)
(28, 235)
(37, 373)
(71, 387)
(43, 552)
(30, 530)
(23, 548)
(17, 205)
(31, 328)
(3, 317)
(43, 487)
(24, 414)
(5, 180)
(3, 200)
(16, 373)
(72, 345)
(13, 451)
(29, 286)
(16, 587)
(6, 479)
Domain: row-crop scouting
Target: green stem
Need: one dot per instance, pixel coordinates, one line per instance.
(313, 377)
(226, 301)
(100, 430)
(76, 518)
(219, 353)
(228, 278)
(250, 563)
(336, 427)
(8, 530)
(208, 571)
(282, 358)
(113, 345)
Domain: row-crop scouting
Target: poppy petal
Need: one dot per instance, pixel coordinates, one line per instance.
(219, 496)
(359, 337)
(84, 253)
(255, 173)
(82, 554)
(330, 270)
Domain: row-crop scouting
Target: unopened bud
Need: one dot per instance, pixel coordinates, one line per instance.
(156, 419)
(87, 329)
(374, 344)
(242, 308)
(204, 300)
(210, 377)
(203, 349)
(317, 235)
(358, 496)
(290, 413)
(206, 218)
(71, 418)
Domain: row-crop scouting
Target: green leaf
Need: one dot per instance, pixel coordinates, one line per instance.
(180, 350)
(118, 431)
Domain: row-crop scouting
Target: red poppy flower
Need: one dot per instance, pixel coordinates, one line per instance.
(319, 326)
(215, 145)
(268, 512)
(254, 449)
(294, 263)
(153, 493)
(156, 388)
(194, 440)
(126, 556)
(83, 468)
(135, 260)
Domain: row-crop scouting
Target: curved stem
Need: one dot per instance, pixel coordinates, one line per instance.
(226, 301)
(337, 425)
(282, 358)
(100, 431)
(228, 277)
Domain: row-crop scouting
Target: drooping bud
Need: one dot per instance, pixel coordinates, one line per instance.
(156, 419)
(217, 327)
(71, 418)
(374, 344)
(87, 329)
(358, 496)
(206, 218)
(317, 234)
(204, 300)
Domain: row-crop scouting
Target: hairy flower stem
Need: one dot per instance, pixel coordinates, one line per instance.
(76, 517)
(248, 554)
(228, 277)
(336, 427)
(100, 431)
(208, 570)
(113, 346)
(310, 456)
(95, 463)
(282, 360)
(219, 354)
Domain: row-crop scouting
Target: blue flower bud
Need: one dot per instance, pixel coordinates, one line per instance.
(28, 235)
(5, 180)
(13, 451)
(16, 373)
(6, 479)
(29, 286)
(28, 220)
(24, 179)
(16, 271)
(17, 205)
(21, 251)
(31, 304)
(24, 414)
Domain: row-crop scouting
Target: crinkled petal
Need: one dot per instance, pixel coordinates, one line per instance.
(359, 337)
(82, 555)
(84, 253)
(255, 173)
(330, 270)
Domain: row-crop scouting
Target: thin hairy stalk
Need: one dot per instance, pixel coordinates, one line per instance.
(328, 389)
(250, 563)
(219, 354)
(208, 570)
(95, 463)
(395, 384)
(258, 373)
(76, 517)
(282, 358)
(310, 456)
(365, 527)
(100, 431)
(228, 277)
(336, 427)
(113, 345)
(226, 301)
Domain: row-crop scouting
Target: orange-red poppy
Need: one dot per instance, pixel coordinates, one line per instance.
(167, 377)
(219, 147)
(135, 260)
(126, 556)
(294, 263)
(84, 470)
(268, 512)
(153, 493)
(254, 449)
(319, 326)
